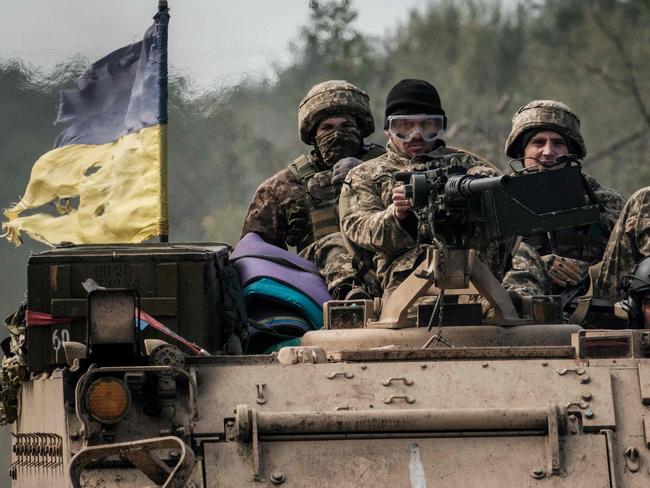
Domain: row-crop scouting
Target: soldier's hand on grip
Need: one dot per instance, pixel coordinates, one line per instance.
(341, 169)
(565, 271)
(401, 204)
(483, 171)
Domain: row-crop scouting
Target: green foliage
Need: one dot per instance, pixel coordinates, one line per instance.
(330, 45)
(486, 61)
(224, 224)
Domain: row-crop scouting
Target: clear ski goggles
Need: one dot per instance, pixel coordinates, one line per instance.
(406, 127)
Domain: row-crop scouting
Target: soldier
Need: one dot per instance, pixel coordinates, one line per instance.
(542, 131)
(299, 205)
(376, 215)
(627, 246)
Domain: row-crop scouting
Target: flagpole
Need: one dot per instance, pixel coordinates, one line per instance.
(162, 21)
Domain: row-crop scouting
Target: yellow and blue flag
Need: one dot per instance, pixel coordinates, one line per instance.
(106, 175)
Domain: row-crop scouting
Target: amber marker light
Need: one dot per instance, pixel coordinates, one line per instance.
(107, 400)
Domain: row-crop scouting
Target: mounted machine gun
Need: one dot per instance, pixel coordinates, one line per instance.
(466, 213)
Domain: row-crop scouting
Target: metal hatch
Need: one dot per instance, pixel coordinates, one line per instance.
(442, 424)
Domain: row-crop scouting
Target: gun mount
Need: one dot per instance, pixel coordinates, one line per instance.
(466, 213)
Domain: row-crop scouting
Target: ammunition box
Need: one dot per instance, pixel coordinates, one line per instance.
(178, 284)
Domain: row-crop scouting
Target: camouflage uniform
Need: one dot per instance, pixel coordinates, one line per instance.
(298, 206)
(13, 370)
(584, 244)
(279, 213)
(370, 223)
(628, 244)
(528, 275)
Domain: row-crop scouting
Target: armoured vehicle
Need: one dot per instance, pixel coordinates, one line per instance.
(418, 391)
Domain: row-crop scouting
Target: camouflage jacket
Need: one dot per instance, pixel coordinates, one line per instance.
(585, 243)
(629, 243)
(529, 275)
(14, 366)
(368, 220)
(279, 211)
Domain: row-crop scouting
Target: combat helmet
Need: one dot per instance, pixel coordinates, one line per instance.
(331, 98)
(549, 115)
(636, 286)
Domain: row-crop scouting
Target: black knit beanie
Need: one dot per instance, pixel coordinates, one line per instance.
(412, 97)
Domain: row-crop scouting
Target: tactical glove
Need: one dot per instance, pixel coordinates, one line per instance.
(483, 171)
(341, 169)
(565, 271)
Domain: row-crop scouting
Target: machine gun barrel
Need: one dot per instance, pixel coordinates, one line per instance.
(455, 187)
(459, 187)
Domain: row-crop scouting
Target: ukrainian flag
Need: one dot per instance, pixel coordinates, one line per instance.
(106, 175)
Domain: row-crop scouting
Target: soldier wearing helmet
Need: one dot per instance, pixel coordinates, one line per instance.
(545, 136)
(543, 130)
(298, 206)
(376, 216)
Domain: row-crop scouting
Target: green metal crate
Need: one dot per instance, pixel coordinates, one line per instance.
(178, 284)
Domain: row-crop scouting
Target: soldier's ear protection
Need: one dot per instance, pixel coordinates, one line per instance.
(629, 304)
(636, 286)
(633, 305)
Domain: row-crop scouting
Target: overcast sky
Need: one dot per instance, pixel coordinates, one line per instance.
(216, 42)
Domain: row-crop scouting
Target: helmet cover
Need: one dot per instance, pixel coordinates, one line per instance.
(546, 115)
(330, 99)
